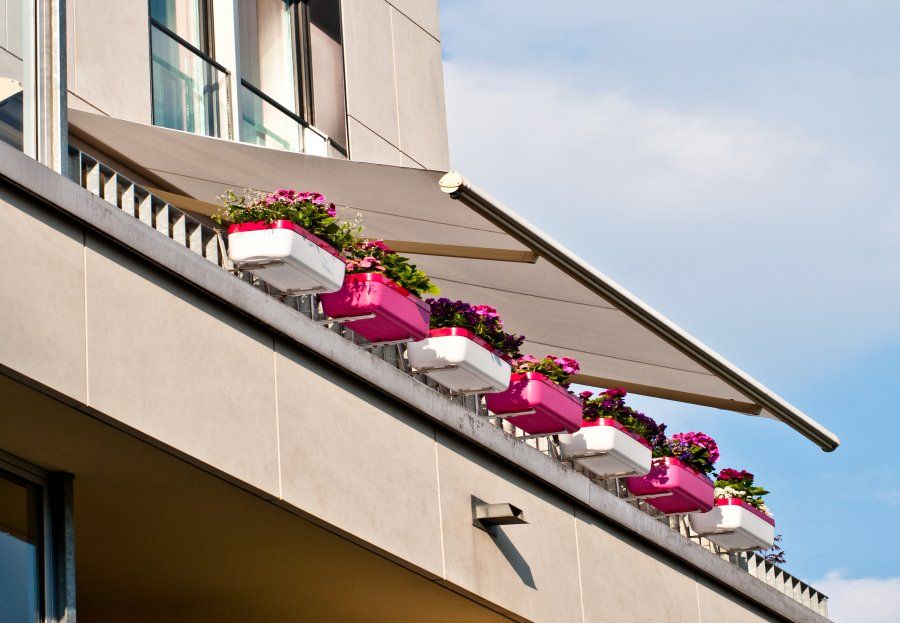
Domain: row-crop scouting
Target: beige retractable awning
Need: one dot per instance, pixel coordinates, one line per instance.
(475, 249)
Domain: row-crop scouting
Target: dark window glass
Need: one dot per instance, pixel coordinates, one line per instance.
(13, 27)
(267, 49)
(20, 551)
(327, 69)
(11, 113)
(186, 18)
(189, 93)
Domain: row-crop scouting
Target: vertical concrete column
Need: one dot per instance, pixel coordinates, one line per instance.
(225, 34)
(62, 546)
(49, 62)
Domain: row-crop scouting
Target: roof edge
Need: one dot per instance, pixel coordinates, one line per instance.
(458, 187)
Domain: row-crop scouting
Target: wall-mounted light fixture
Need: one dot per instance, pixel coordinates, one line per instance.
(488, 516)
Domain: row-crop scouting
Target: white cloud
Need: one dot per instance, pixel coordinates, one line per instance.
(719, 217)
(660, 162)
(861, 600)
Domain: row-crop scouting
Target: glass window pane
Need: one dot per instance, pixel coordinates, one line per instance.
(189, 93)
(12, 23)
(267, 49)
(183, 17)
(263, 124)
(326, 50)
(20, 529)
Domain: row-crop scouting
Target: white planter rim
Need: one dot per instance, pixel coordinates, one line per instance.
(469, 335)
(608, 421)
(746, 505)
(236, 228)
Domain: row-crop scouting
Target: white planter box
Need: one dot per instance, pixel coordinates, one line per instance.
(735, 525)
(454, 358)
(286, 256)
(607, 449)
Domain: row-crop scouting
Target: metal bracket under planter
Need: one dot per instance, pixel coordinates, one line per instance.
(730, 550)
(405, 340)
(251, 266)
(346, 319)
(452, 366)
(488, 516)
(536, 435)
(594, 453)
(238, 267)
(716, 532)
(473, 392)
(649, 496)
(442, 366)
(506, 416)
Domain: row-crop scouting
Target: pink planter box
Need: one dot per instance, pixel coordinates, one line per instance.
(399, 315)
(688, 490)
(555, 409)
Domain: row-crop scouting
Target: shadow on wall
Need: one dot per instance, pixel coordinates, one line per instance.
(508, 549)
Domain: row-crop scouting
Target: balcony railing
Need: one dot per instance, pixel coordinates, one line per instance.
(205, 241)
(190, 92)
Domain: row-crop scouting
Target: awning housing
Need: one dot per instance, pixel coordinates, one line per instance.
(475, 249)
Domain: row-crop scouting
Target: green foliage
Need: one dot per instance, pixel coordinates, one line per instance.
(374, 256)
(739, 484)
(308, 210)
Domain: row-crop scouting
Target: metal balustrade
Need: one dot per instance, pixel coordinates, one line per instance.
(207, 242)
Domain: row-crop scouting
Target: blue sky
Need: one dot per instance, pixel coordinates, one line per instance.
(735, 165)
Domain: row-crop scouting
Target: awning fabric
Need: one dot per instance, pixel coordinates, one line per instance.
(478, 251)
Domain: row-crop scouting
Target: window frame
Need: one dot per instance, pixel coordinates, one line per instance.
(17, 469)
(304, 97)
(206, 54)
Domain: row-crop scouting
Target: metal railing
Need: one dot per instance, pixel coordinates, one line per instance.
(202, 239)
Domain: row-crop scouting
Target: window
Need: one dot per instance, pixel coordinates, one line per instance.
(292, 72)
(21, 550)
(268, 92)
(190, 90)
(326, 56)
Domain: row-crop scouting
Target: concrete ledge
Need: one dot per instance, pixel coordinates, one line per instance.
(66, 196)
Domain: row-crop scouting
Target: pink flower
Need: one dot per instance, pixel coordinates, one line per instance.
(586, 394)
(378, 244)
(486, 310)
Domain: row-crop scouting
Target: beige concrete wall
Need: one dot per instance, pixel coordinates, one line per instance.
(108, 45)
(395, 84)
(118, 336)
(392, 50)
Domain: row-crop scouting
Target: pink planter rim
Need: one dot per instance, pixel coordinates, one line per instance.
(235, 228)
(537, 376)
(671, 460)
(393, 285)
(608, 421)
(747, 505)
(470, 335)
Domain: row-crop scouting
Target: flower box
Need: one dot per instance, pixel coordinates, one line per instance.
(735, 525)
(286, 256)
(675, 487)
(545, 407)
(460, 361)
(396, 314)
(607, 448)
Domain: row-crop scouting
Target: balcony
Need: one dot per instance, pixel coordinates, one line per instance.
(191, 232)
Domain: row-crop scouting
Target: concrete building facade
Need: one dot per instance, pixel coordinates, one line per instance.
(178, 444)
